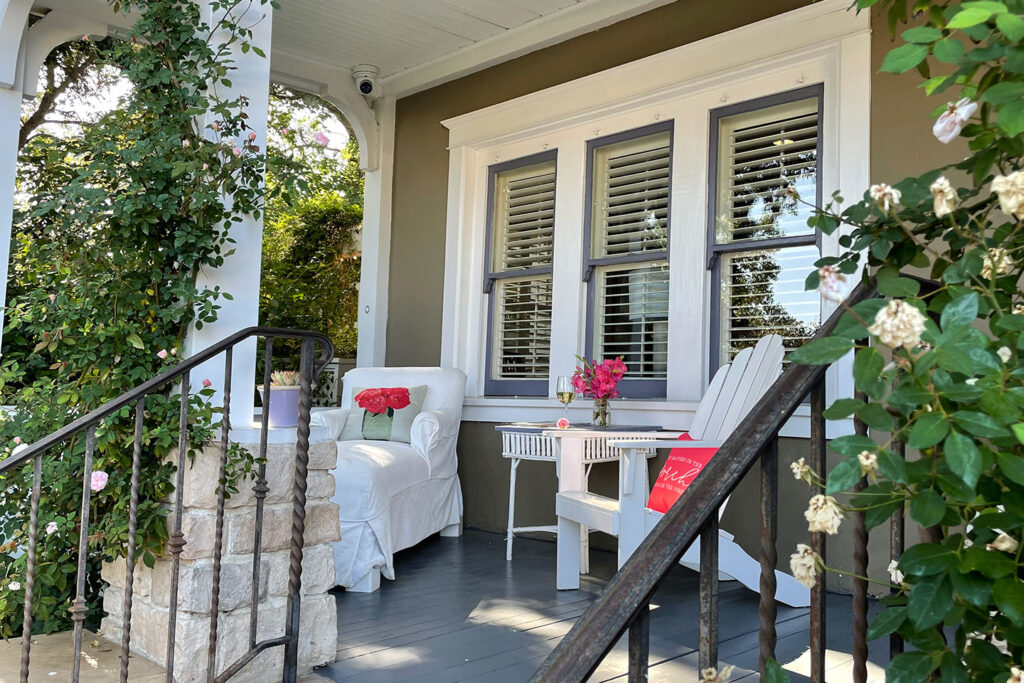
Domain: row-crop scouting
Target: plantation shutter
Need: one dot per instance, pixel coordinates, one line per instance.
(631, 317)
(761, 154)
(519, 279)
(524, 218)
(630, 196)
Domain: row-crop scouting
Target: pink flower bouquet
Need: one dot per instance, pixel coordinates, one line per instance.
(598, 380)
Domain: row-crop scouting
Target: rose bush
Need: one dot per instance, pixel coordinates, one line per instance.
(938, 368)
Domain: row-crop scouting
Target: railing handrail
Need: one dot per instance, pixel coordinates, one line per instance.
(597, 630)
(132, 395)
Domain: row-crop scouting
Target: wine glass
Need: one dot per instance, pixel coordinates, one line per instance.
(565, 392)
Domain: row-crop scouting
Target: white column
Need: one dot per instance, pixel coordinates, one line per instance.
(10, 124)
(240, 273)
(376, 260)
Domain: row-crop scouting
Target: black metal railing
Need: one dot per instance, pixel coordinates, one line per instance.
(311, 363)
(625, 603)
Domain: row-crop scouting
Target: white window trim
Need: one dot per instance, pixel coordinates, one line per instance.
(821, 43)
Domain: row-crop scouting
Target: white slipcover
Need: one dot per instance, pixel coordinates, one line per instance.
(392, 495)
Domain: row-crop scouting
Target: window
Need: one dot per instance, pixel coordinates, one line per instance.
(521, 213)
(760, 247)
(626, 254)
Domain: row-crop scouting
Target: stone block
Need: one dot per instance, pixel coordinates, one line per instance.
(322, 526)
(317, 570)
(199, 527)
(195, 585)
(319, 485)
(114, 574)
(323, 455)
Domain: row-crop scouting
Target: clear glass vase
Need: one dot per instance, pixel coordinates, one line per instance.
(602, 418)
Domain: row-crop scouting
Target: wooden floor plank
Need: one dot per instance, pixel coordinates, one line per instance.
(459, 612)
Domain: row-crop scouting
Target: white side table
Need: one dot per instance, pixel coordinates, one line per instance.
(583, 446)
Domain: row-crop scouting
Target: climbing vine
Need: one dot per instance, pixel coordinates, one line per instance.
(109, 248)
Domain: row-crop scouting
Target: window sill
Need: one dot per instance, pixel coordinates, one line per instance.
(673, 415)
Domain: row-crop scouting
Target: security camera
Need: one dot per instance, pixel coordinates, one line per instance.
(367, 78)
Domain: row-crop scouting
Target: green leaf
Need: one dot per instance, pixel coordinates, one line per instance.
(886, 621)
(927, 508)
(975, 589)
(909, 667)
(904, 58)
(867, 366)
(876, 417)
(922, 34)
(978, 423)
(992, 565)
(843, 408)
(925, 559)
(930, 599)
(892, 285)
(1012, 466)
(135, 341)
(1004, 92)
(1011, 26)
(843, 476)
(852, 444)
(852, 328)
(961, 311)
(1018, 431)
(821, 351)
(969, 16)
(774, 673)
(949, 51)
(1008, 592)
(963, 458)
(928, 430)
(1011, 118)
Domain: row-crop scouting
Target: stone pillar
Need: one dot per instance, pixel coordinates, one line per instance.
(239, 275)
(318, 632)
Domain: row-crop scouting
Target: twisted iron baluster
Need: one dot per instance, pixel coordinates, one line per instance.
(860, 586)
(708, 646)
(291, 652)
(30, 571)
(766, 609)
(79, 609)
(260, 490)
(133, 512)
(176, 541)
(218, 539)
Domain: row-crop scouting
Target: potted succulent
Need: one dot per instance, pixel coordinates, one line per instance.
(283, 399)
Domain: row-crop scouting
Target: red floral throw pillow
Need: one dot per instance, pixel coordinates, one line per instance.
(383, 413)
(681, 468)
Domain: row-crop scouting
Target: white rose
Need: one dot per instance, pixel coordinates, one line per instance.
(823, 515)
(14, 586)
(712, 675)
(1004, 354)
(804, 564)
(885, 196)
(1004, 543)
(894, 572)
(1016, 675)
(1010, 190)
(800, 469)
(831, 284)
(949, 124)
(898, 324)
(868, 463)
(995, 263)
(943, 196)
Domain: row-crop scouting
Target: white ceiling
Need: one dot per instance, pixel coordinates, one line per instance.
(395, 35)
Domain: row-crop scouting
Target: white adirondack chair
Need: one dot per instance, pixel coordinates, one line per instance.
(733, 392)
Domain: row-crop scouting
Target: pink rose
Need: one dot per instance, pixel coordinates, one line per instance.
(207, 383)
(285, 131)
(51, 528)
(186, 143)
(52, 298)
(252, 136)
(563, 423)
(321, 139)
(237, 152)
(161, 354)
(215, 125)
(98, 481)
(17, 439)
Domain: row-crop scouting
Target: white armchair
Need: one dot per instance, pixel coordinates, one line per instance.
(391, 495)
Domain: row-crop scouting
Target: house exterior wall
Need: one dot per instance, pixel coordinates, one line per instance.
(899, 122)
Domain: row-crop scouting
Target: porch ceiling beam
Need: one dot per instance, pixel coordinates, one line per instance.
(334, 84)
(577, 19)
(56, 28)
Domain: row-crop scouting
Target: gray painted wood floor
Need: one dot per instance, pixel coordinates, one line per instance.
(459, 612)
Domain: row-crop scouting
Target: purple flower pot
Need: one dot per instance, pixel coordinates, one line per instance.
(284, 406)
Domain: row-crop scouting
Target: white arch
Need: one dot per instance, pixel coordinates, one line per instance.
(13, 20)
(337, 87)
(55, 29)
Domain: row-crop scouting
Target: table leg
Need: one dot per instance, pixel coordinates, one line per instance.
(584, 531)
(511, 508)
(572, 477)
